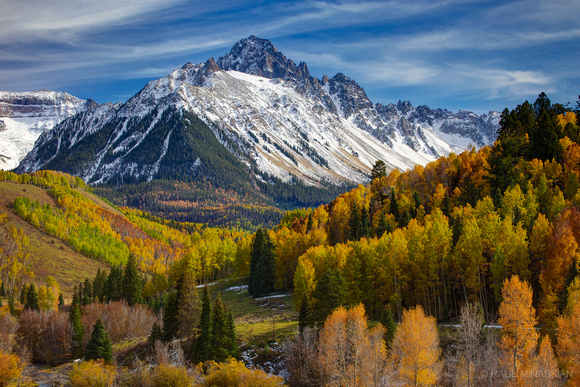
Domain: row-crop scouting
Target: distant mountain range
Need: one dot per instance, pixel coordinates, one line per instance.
(264, 111)
(250, 122)
(25, 115)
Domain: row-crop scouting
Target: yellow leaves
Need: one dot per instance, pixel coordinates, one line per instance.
(565, 119)
(233, 373)
(92, 373)
(10, 368)
(350, 354)
(416, 348)
(569, 342)
(518, 319)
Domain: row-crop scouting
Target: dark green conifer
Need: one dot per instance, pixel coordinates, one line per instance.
(99, 345)
(78, 329)
(305, 315)
(87, 292)
(219, 332)
(31, 298)
(262, 278)
(379, 170)
(256, 257)
(170, 312)
(23, 292)
(354, 222)
(231, 338)
(382, 227)
(132, 283)
(388, 323)
(203, 341)
(60, 300)
(156, 333)
(364, 222)
(99, 284)
(329, 293)
(2, 290)
(394, 206)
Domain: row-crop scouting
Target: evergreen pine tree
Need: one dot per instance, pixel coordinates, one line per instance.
(60, 300)
(329, 293)
(170, 322)
(364, 222)
(219, 332)
(1, 304)
(132, 283)
(112, 289)
(256, 256)
(310, 223)
(81, 291)
(269, 269)
(156, 333)
(379, 170)
(78, 329)
(354, 222)
(99, 345)
(231, 338)
(262, 265)
(31, 298)
(388, 322)
(23, 292)
(305, 314)
(98, 285)
(383, 226)
(203, 342)
(87, 292)
(2, 290)
(394, 206)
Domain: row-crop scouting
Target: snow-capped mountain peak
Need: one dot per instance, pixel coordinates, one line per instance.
(265, 111)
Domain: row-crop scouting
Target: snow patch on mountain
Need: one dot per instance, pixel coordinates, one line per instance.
(24, 116)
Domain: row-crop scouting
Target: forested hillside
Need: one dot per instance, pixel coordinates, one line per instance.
(65, 211)
(450, 232)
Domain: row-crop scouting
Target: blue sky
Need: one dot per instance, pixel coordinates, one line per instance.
(475, 55)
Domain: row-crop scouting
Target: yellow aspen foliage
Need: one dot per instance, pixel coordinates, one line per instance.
(561, 251)
(568, 336)
(92, 373)
(233, 373)
(338, 223)
(10, 368)
(350, 353)
(518, 319)
(568, 118)
(545, 370)
(416, 349)
(304, 281)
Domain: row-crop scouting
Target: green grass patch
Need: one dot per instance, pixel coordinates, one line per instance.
(253, 317)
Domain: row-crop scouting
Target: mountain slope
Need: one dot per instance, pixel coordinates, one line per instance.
(250, 121)
(25, 115)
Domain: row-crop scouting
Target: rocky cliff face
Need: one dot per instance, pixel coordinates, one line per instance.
(25, 115)
(267, 112)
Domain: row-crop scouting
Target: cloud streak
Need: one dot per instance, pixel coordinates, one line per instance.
(478, 53)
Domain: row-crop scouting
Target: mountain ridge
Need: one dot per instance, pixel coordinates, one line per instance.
(280, 124)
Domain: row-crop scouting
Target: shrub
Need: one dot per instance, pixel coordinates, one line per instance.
(171, 375)
(92, 374)
(122, 321)
(233, 373)
(46, 335)
(10, 368)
